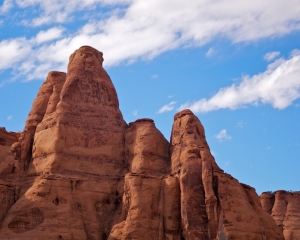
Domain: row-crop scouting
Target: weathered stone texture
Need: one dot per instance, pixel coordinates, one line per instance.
(284, 207)
(78, 171)
(71, 153)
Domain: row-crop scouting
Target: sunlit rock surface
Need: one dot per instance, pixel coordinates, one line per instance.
(78, 171)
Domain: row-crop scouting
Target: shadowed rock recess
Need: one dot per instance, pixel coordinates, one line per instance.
(78, 171)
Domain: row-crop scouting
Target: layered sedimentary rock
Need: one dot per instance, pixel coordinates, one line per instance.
(70, 156)
(6, 140)
(78, 171)
(214, 205)
(7, 190)
(150, 206)
(284, 207)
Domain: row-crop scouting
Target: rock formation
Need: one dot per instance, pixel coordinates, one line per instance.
(214, 205)
(70, 156)
(7, 191)
(6, 140)
(284, 207)
(78, 171)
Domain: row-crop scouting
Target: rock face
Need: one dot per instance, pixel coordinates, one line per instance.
(284, 207)
(214, 205)
(78, 171)
(6, 140)
(7, 190)
(70, 156)
(147, 157)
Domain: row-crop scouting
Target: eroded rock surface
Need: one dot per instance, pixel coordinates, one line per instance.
(284, 207)
(214, 205)
(7, 168)
(78, 171)
(70, 156)
(150, 203)
(6, 140)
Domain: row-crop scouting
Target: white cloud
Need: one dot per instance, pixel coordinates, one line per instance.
(6, 6)
(210, 52)
(222, 135)
(135, 113)
(154, 76)
(271, 55)
(167, 108)
(144, 29)
(57, 11)
(13, 51)
(50, 34)
(9, 117)
(295, 52)
(279, 86)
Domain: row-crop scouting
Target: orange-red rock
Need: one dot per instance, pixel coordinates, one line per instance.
(150, 206)
(6, 140)
(72, 151)
(7, 190)
(284, 207)
(214, 205)
(78, 171)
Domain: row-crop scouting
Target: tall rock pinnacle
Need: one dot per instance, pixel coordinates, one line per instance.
(214, 205)
(73, 147)
(78, 171)
(194, 164)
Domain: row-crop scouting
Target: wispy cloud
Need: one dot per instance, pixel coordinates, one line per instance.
(6, 6)
(57, 11)
(48, 35)
(210, 52)
(154, 76)
(295, 52)
(127, 32)
(222, 135)
(167, 108)
(135, 113)
(279, 86)
(271, 56)
(9, 117)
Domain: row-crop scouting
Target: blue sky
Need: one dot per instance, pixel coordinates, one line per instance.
(235, 64)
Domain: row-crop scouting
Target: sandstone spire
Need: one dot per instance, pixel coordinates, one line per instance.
(147, 155)
(78, 171)
(72, 149)
(214, 205)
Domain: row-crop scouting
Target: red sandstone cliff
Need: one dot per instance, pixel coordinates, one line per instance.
(214, 205)
(70, 165)
(6, 140)
(78, 171)
(284, 207)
